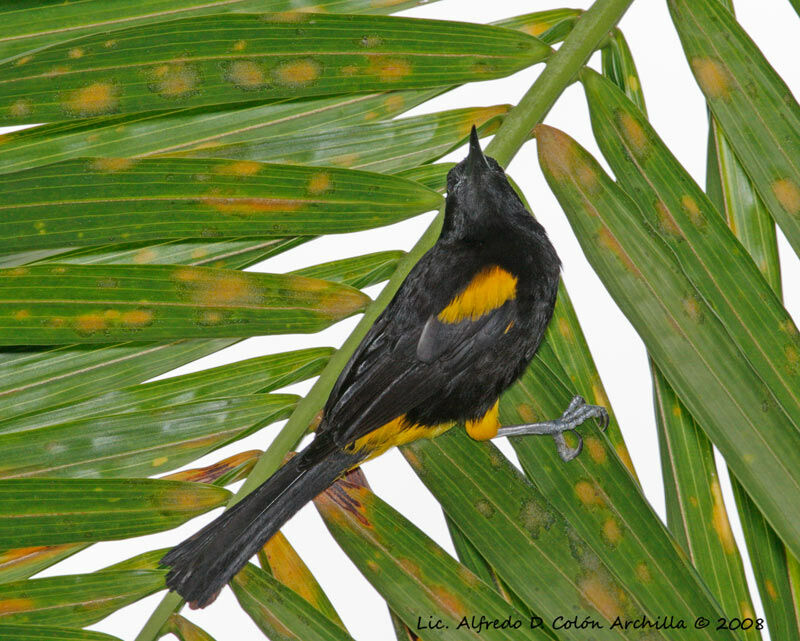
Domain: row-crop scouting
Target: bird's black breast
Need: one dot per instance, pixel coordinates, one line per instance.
(434, 371)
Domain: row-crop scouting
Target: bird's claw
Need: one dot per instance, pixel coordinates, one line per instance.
(575, 414)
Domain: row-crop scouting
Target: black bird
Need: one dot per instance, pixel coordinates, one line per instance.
(461, 329)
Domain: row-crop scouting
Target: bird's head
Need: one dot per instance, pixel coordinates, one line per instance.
(479, 196)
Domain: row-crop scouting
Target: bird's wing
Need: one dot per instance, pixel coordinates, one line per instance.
(409, 356)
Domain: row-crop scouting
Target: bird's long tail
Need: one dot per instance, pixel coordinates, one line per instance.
(202, 565)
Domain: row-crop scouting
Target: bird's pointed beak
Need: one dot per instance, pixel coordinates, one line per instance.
(476, 161)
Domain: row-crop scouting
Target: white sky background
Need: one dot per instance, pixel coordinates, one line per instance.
(677, 111)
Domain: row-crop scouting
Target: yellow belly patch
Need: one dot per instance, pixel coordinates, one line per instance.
(488, 290)
(485, 427)
(396, 432)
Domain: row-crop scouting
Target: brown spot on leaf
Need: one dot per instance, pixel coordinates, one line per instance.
(389, 68)
(690, 206)
(75, 53)
(713, 78)
(16, 605)
(611, 531)
(394, 102)
(634, 133)
(608, 241)
(111, 165)
(319, 183)
(788, 195)
(240, 45)
(666, 221)
(298, 73)
(22, 314)
(589, 494)
(246, 206)
(693, 308)
(239, 168)
(769, 586)
(643, 572)
(174, 80)
(90, 323)
(137, 317)
(93, 100)
(601, 595)
(246, 74)
(596, 449)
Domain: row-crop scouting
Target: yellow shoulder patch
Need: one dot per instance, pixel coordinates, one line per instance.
(488, 290)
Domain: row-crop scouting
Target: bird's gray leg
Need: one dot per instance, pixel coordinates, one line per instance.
(577, 412)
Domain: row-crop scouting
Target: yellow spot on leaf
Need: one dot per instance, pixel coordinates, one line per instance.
(712, 76)
(23, 60)
(643, 573)
(95, 99)
(449, 602)
(608, 241)
(112, 315)
(16, 605)
(488, 290)
(240, 168)
(240, 45)
(389, 69)
(112, 164)
(246, 75)
(611, 531)
(693, 308)
(144, 256)
(537, 28)
(20, 108)
(633, 83)
(90, 323)
(690, 206)
(596, 450)
(788, 195)
(633, 132)
(22, 314)
(601, 596)
(666, 221)
(110, 44)
(298, 73)
(349, 70)
(485, 427)
(158, 462)
(589, 494)
(137, 317)
(719, 520)
(394, 102)
(526, 413)
(625, 457)
(319, 183)
(245, 206)
(677, 410)
(371, 115)
(174, 80)
(75, 53)
(769, 586)
(199, 253)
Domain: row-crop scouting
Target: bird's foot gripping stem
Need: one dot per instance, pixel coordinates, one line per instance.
(577, 412)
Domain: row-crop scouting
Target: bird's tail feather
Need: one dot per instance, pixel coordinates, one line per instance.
(202, 565)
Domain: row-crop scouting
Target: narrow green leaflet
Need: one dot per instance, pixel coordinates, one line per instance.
(246, 57)
(432, 176)
(713, 259)
(112, 200)
(279, 612)
(14, 632)
(388, 147)
(685, 339)
(107, 303)
(489, 500)
(260, 374)
(416, 577)
(40, 512)
(280, 559)
(359, 271)
(228, 254)
(550, 26)
(620, 68)
(732, 192)
(41, 23)
(696, 512)
(32, 380)
(20, 563)
(145, 134)
(753, 105)
(75, 600)
(603, 503)
(138, 443)
(185, 630)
